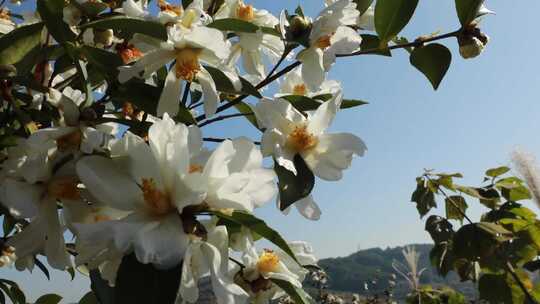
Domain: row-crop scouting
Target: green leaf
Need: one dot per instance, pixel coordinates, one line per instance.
(362, 5)
(5, 289)
(440, 229)
(433, 61)
(496, 288)
(372, 42)
(49, 299)
(91, 8)
(42, 267)
(89, 298)
(298, 295)
(82, 72)
(455, 207)
(391, 16)
(302, 103)
(513, 189)
(15, 45)
(244, 108)
(130, 26)
(143, 283)
(351, 103)
(494, 172)
(423, 197)
(467, 10)
(101, 289)
(224, 84)
(234, 25)
(18, 294)
(293, 187)
(258, 226)
(106, 62)
(51, 12)
(9, 222)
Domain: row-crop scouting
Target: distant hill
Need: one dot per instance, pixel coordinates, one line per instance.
(374, 268)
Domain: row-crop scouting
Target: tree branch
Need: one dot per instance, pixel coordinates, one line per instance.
(223, 117)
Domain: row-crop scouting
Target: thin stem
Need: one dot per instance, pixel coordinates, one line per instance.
(512, 271)
(186, 93)
(418, 42)
(258, 86)
(218, 140)
(223, 117)
(194, 105)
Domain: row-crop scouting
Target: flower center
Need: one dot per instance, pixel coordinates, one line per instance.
(299, 89)
(301, 140)
(268, 261)
(64, 188)
(195, 168)
(69, 141)
(324, 42)
(187, 63)
(245, 12)
(164, 6)
(128, 52)
(157, 202)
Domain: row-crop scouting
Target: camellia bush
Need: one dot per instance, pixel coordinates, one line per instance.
(107, 168)
(499, 251)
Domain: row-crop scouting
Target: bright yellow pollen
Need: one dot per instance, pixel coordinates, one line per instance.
(301, 140)
(268, 262)
(324, 42)
(245, 12)
(64, 188)
(69, 141)
(164, 6)
(157, 202)
(195, 168)
(187, 63)
(299, 89)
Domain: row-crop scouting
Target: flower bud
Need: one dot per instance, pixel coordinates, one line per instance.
(103, 37)
(472, 42)
(298, 27)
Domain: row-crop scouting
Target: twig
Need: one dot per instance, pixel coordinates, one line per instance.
(186, 93)
(223, 117)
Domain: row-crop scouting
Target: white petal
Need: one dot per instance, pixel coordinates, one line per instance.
(169, 101)
(312, 67)
(22, 199)
(108, 184)
(163, 243)
(324, 115)
(55, 247)
(210, 94)
(308, 208)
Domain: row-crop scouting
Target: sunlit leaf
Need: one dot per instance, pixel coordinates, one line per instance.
(391, 16)
(130, 26)
(433, 60)
(15, 45)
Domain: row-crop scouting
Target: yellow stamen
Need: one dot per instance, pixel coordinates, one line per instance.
(164, 6)
(301, 140)
(128, 52)
(187, 63)
(157, 202)
(64, 188)
(245, 12)
(195, 168)
(299, 89)
(69, 141)
(101, 218)
(189, 18)
(324, 42)
(4, 14)
(268, 262)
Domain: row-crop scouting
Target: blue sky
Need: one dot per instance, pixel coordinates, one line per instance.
(484, 108)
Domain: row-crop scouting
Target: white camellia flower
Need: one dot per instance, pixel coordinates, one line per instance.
(210, 256)
(260, 267)
(153, 191)
(294, 84)
(289, 133)
(366, 21)
(36, 199)
(330, 35)
(189, 44)
(252, 46)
